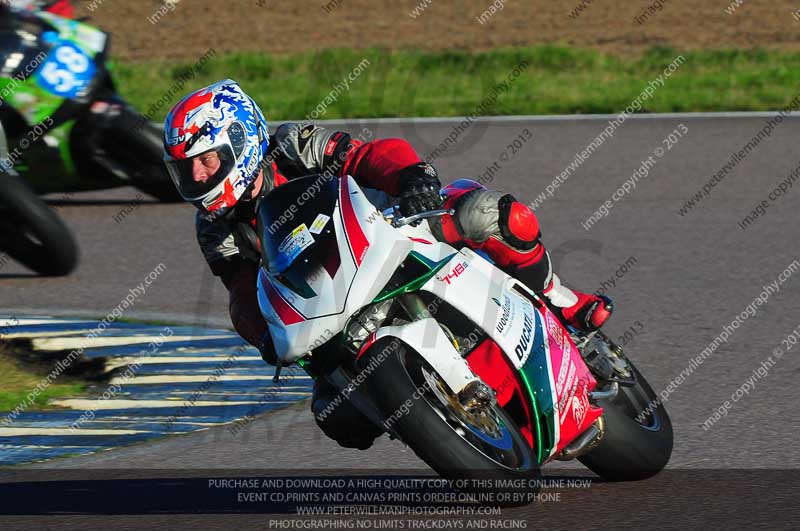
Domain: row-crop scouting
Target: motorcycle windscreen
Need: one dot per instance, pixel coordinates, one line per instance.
(296, 231)
(21, 44)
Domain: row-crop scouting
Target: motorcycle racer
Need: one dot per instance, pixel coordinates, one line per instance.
(222, 158)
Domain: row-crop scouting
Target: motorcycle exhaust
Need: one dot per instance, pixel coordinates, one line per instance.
(585, 441)
(608, 394)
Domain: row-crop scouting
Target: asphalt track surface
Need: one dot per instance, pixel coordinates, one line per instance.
(692, 275)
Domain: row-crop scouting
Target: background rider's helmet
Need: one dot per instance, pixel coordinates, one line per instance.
(220, 123)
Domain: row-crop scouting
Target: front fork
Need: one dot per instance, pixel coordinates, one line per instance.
(443, 355)
(606, 361)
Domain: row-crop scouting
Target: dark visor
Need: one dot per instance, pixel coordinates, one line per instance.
(183, 172)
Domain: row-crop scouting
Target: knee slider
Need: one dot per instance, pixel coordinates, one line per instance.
(461, 195)
(518, 224)
(477, 214)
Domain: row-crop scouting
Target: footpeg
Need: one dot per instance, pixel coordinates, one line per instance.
(610, 392)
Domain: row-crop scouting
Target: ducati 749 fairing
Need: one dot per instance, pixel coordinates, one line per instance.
(442, 349)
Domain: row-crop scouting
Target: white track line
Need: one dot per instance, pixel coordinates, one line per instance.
(95, 405)
(72, 315)
(115, 420)
(16, 432)
(40, 447)
(117, 362)
(184, 378)
(554, 118)
(69, 343)
(78, 332)
(10, 320)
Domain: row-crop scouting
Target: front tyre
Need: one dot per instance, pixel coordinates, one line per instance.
(154, 181)
(458, 444)
(31, 233)
(638, 436)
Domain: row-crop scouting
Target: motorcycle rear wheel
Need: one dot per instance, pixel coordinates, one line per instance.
(448, 440)
(31, 233)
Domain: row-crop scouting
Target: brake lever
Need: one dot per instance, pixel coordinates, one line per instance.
(392, 215)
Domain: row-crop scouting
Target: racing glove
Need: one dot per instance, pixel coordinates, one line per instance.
(419, 189)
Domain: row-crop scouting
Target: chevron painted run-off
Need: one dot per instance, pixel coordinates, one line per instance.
(196, 378)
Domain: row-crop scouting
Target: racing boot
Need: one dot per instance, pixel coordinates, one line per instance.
(583, 311)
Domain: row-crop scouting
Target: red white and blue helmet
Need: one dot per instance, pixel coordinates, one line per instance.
(222, 121)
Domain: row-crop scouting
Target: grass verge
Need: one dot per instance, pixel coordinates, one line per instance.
(556, 80)
(17, 382)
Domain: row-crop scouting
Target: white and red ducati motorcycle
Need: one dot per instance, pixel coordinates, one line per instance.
(442, 349)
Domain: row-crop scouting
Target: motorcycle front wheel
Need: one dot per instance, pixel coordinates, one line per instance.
(31, 233)
(459, 444)
(638, 436)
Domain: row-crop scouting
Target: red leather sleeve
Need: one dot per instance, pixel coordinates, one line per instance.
(243, 304)
(377, 164)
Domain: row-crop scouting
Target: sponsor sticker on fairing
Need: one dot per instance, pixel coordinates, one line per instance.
(578, 410)
(295, 243)
(505, 316)
(319, 223)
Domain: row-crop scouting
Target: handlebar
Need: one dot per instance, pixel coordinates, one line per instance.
(393, 216)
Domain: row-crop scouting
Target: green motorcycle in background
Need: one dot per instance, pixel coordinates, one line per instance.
(64, 129)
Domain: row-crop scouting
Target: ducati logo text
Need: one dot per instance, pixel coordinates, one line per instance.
(527, 332)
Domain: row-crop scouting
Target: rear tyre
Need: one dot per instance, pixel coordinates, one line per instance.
(31, 233)
(450, 440)
(638, 439)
